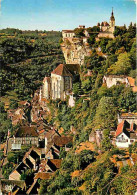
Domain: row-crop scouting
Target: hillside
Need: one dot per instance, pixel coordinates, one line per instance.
(26, 57)
(72, 149)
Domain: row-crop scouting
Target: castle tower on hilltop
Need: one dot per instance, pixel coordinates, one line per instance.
(112, 19)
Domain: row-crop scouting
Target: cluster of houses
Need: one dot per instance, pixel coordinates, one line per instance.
(123, 136)
(41, 161)
(43, 157)
(126, 132)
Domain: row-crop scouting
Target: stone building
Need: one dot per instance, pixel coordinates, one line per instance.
(46, 87)
(111, 80)
(68, 34)
(25, 135)
(60, 82)
(125, 134)
(107, 29)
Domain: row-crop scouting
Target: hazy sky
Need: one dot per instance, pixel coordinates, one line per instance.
(63, 14)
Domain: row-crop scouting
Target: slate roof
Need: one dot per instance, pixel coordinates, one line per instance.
(62, 71)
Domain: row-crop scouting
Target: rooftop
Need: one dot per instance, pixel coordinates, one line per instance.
(43, 175)
(128, 129)
(62, 70)
(62, 141)
(129, 115)
(54, 163)
(26, 131)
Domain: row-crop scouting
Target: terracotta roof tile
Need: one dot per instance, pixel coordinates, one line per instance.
(62, 141)
(24, 131)
(120, 128)
(123, 127)
(131, 81)
(62, 71)
(42, 131)
(55, 162)
(43, 175)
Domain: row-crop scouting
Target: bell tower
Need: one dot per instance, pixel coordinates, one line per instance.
(112, 19)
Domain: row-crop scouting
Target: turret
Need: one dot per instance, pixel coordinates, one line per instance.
(112, 19)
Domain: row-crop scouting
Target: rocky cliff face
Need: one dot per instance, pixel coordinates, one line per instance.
(75, 50)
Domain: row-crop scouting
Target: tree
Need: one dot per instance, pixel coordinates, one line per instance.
(106, 114)
(120, 30)
(79, 32)
(77, 89)
(86, 85)
(127, 100)
(85, 158)
(122, 66)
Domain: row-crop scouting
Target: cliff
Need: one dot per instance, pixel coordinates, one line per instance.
(75, 50)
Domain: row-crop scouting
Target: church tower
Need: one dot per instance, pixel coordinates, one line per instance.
(112, 19)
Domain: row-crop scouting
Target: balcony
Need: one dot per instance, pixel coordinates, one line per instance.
(122, 140)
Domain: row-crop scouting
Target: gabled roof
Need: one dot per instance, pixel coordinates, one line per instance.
(43, 175)
(54, 164)
(122, 128)
(62, 141)
(25, 131)
(132, 84)
(21, 168)
(62, 71)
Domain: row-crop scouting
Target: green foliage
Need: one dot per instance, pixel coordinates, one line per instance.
(99, 176)
(120, 30)
(127, 100)
(77, 89)
(79, 32)
(5, 123)
(68, 191)
(103, 91)
(94, 62)
(17, 156)
(103, 43)
(62, 180)
(33, 55)
(106, 114)
(7, 169)
(43, 187)
(86, 85)
(13, 104)
(62, 153)
(122, 66)
(84, 158)
(93, 29)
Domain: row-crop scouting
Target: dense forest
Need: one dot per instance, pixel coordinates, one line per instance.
(26, 57)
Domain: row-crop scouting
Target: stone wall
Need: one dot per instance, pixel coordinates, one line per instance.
(59, 86)
(111, 80)
(75, 50)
